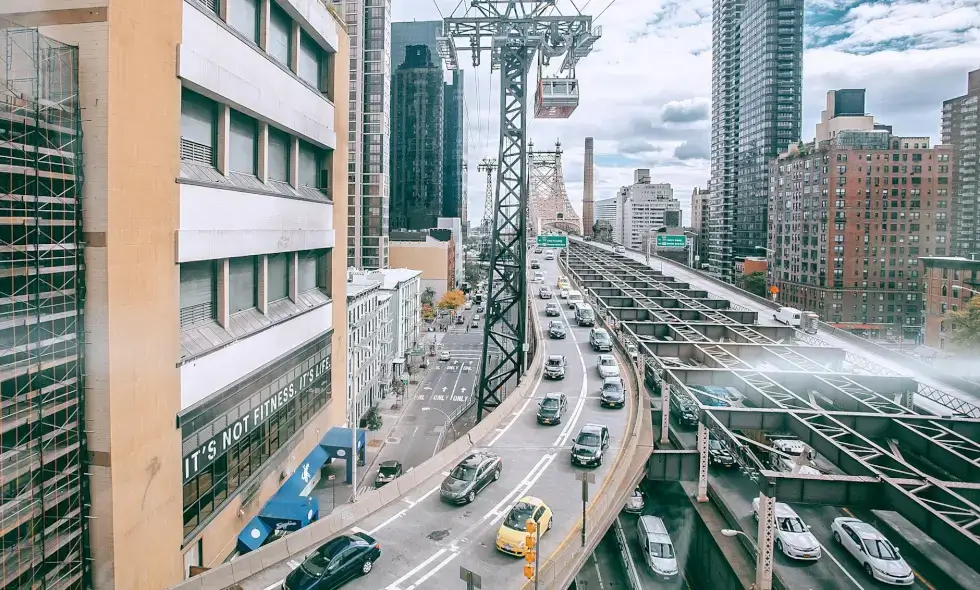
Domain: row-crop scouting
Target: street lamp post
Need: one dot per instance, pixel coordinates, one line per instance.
(449, 420)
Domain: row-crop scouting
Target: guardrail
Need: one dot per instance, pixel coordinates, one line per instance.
(940, 397)
(632, 577)
(344, 517)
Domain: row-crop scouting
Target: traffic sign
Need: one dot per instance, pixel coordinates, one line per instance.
(553, 241)
(668, 241)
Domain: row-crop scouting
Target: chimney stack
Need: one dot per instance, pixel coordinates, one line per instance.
(588, 199)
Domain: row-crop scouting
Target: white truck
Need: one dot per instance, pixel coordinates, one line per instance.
(789, 316)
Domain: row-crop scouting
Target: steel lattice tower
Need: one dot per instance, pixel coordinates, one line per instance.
(549, 204)
(514, 32)
(488, 165)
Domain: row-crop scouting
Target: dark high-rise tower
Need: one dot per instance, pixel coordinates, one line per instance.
(770, 110)
(417, 141)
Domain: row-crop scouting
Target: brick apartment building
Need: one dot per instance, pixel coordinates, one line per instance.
(849, 217)
(948, 284)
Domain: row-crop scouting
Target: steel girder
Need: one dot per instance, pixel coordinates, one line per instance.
(488, 165)
(548, 200)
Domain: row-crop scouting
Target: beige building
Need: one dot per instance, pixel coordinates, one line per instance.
(433, 252)
(215, 157)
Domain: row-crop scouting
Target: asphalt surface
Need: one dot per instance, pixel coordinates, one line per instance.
(604, 568)
(669, 503)
(424, 541)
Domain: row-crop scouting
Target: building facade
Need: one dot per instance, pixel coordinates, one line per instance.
(432, 252)
(456, 225)
(646, 207)
(365, 348)
(700, 199)
(770, 105)
(209, 299)
(961, 130)
(848, 221)
(368, 173)
(609, 210)
(948, 284)
(725, 87)
(404, 286)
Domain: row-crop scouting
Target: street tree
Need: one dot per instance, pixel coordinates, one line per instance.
(755, 283)
(452, 300)
(965, 325)
(428, 296)
(428, 313)
(473, 274)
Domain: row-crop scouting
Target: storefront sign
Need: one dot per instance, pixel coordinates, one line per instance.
(219, 444)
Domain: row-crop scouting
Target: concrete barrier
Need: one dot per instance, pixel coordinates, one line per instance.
(345, 516)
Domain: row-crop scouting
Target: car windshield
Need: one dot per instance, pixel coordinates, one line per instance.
(588, 439)
(662, 550)
(791, 524)
(550, 403)
(611, 387)
(601, 336)
(463, 473)
(607, 362)
(317, 563)
(556, 326)
(517, 519)
(715, 445)
(554, 362)
(880, 549)
(388, 469)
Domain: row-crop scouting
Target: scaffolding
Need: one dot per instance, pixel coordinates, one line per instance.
(44, 497)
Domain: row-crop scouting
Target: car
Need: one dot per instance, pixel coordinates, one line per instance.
(545, 293)
(470, 476)
(460, 319)
(554, 368)
(445, 355)
(535, 263)
(475, 323)
(556, 329)
(684, 410)
(620, 250)
(589, 445)
(553, 309)
(563, 292)
(719, 453)
(388, 472)
(335, 563)
(607, 366)
(476, 317)
(613, 393)
(538, 277)
(549, 255)
(879, 558)
(552, 408)
(468, 305)
(537, 250)
(599, 340)
(632, 351)
(793, 536)
(512, 533)
(635, 503)
(480, 309)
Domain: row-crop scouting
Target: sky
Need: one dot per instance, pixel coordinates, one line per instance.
(646, 86)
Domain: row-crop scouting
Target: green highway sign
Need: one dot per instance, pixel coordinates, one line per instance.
(553, 241)
(667, 241)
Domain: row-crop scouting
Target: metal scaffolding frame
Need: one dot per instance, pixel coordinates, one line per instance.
(44, 538)
(928, 471)
(549, 204)
(488, 165)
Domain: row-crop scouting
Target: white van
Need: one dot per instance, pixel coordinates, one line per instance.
(584, 315)
(658, 549)
(789, 316)
(573, 298)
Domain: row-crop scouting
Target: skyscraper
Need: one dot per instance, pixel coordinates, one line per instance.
(369, 25)
(757, 112)
(960, 117)
(417, 154)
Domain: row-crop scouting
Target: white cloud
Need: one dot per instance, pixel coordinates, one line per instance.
(652, 69)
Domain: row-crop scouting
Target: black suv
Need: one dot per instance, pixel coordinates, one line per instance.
(683, 409)
(388, 471)
(718, 453)
(556, 329)
(552, 408)
(468, 479)
(600, 340)
(591, 441)
(554, 368)
(612, 394)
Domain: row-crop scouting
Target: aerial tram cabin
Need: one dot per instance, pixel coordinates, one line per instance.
(556, 98)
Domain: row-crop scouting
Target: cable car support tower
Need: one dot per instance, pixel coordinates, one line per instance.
(513, 33)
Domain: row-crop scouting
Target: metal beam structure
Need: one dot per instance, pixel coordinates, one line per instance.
(513, 32)
(884, 455)
(488, 165)
(549, 204)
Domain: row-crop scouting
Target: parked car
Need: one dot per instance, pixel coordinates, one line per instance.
(635, 503)
(589, 445)
(545, 293)
(553, 309)
(879, 558)
(388, 472)
(554, 368)
(470, 476)
(556, 329)
(335, 563)
(552, 408)
(613, 393)
(793, 536)
(607, 366)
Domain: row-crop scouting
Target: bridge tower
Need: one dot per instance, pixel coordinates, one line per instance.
(488, 165)
(514, 32)
(550, 207)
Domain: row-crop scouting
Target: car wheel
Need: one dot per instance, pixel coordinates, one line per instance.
(869, 571)
(836, 537)
(470, 497)
(755, 515)
(548, 527)
(779, 546)
(496, 474)
(366, 567)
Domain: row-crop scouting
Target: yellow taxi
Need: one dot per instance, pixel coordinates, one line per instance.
(512, 533)
(562, 282)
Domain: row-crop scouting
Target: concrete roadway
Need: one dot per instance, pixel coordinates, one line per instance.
(604, 568)
(683, 273)
(421, 433)
(424, 540)
(835, 569)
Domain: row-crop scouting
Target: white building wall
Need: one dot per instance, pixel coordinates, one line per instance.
(365, 353)
(643, 206)
(455, 224)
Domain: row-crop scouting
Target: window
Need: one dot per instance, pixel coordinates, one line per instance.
(198, 292)
(243, 144)
(309, 67)
(280, 35)
(243, 15)
(242, 283)
(278, 155)
(278, 269)
(308, 263)
(312, 164)
(198, 128)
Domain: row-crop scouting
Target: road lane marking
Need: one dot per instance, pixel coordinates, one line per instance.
(395, 585)
(839, 564)
(598, 574)
(387, 522)
(434, 570)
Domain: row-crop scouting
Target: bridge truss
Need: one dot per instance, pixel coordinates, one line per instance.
(549, 204)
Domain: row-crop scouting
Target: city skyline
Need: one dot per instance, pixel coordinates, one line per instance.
(910, 56)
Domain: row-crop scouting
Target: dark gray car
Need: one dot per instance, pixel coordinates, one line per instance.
(470, 476)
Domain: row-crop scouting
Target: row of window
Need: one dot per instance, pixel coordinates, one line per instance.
(199, 282)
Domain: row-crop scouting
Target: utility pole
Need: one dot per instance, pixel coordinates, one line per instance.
(488, 165)
(513, 32)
